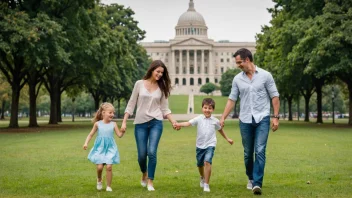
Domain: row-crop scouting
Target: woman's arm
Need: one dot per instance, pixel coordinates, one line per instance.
(131, 105)
(173, 122)
(123, 125)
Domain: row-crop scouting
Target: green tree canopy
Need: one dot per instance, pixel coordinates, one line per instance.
(208, 88)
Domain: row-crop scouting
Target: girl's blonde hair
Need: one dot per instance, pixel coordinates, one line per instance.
(103, 107)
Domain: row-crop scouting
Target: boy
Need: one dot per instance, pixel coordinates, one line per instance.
(206, 140)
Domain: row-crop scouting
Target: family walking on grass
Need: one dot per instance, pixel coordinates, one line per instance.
(255, 87)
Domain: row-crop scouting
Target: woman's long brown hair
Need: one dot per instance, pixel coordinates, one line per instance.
(164, 82)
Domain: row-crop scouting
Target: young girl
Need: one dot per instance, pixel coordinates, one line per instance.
(104, 151)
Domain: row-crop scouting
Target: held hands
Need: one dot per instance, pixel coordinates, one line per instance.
(222, 123)
(176, 126)
(123, 127)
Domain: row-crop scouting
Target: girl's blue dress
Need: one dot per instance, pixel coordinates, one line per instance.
(105, 149)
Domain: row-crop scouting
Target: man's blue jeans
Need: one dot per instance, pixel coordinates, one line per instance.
(147, 139)
(254, 139)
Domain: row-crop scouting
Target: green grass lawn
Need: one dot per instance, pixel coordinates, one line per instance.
(220, 103)
(178, 104)
(50, 162)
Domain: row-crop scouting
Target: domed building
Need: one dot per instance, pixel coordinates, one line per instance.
(191, 57)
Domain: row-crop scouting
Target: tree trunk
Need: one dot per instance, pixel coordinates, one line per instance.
(55, 90)
(96, 102)
(59, 114)
(289, 102)
(32, 104)
(284, 100)
(3, 110)
(318, 88)
(73, 109)
(14, 105)
(306, 108)
(298, 98)
(347, 79)
(118, 107)
(350, 103)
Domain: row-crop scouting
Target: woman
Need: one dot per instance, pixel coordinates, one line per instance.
(151, 96)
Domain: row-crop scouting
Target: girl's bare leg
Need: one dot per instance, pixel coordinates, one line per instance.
(109, 174)
(100, 171)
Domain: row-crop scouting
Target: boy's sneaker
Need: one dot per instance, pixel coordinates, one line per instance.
(250, 184)
(201, 183)
(257, 190)
(108, 189)
(99, 185)
(206, 188)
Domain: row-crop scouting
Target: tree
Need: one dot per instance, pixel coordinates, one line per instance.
(18, 42)
(129, 57)
(208, 88)
(226, 81)
(281, 44)
(5, 91)
(226, 85)
(331, 54)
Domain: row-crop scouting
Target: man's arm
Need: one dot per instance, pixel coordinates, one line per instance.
(229, 106)
(276, 107)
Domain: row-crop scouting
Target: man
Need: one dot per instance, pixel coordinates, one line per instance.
(255, 87)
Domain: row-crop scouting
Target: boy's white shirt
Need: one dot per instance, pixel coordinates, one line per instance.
(206, 130)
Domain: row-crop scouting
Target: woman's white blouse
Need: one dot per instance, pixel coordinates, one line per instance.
(149, 105)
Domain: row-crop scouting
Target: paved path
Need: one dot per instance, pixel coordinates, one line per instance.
(190, 107)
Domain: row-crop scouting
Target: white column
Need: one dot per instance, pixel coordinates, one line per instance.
(180, 70)
(187, 65)
(202, 70)
(211, 72)
(195, 67)
(173, 66)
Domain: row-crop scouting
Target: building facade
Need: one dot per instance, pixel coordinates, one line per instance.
(191, 57)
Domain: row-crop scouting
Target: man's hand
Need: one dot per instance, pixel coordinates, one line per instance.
(222, 122)
(275, 124)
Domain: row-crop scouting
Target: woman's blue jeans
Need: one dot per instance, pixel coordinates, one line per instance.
(147, 139)
(254, 139)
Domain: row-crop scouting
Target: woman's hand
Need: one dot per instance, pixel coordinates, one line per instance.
(176, 126)
(123, 127)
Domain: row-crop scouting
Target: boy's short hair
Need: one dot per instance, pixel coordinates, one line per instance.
(208, 101)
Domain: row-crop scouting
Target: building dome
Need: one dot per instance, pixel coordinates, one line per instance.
(191, 24)
(191, 17)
